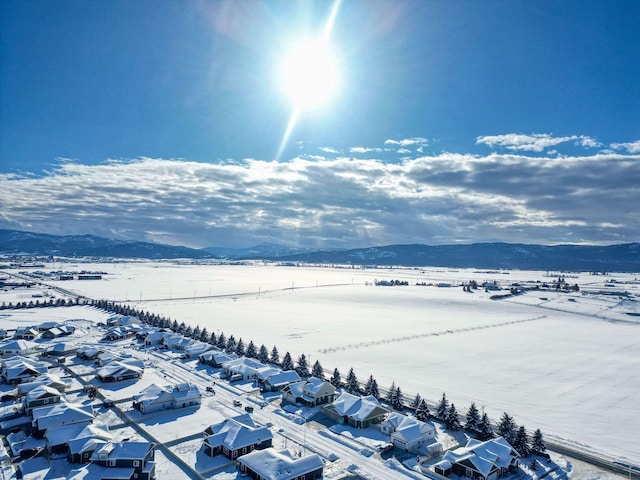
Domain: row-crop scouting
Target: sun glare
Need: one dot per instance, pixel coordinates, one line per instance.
(310, 75)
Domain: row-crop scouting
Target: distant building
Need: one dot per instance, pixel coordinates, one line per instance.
(236, 436)
(155, 397)
(272, 464)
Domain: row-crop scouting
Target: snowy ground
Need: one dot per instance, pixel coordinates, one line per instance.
(564, 363)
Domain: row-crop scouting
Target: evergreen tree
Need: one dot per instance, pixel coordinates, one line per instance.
(335, 378)
(287, 362)
(367, 386)
(442, 408)
(317, 371)
(188, 332)
(175, 326)
(275, 356)
(415, 403)
(374, 391)
(485, 430)
(196, 333)
(398, 400)
(453, 421)
(521, 443)
(507, 428)
(390, 394)
(473, 418)
(182, 327)
(303, 366)
(351, 382)
(240, 351)
(231, 344)
(222, 341)
(422, 412)
(204, 335)
(537, 442)
(263, 354)
(212, 339)
(251, 350)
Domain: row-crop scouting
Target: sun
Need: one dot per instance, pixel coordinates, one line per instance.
(309, 75)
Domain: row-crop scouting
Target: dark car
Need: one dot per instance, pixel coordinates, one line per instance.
(248, 408)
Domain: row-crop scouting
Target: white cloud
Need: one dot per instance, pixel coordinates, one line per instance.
(536, 142)
(407, 142)
(329, 150)
(345, 202)
(365, 150)
(631, 147)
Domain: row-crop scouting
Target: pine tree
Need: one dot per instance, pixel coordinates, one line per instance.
(521, 443)
(398, 400)
(537, 442)
(303, 366)
(263, 354)
(422, 412)
(317, 370)
(287, 362)
(453, 421)
(415, 403)
(212, 340)
(196, 333)
(507, 428)
(335, 379)
(222, 341)
(275, 356)
(182, 327)
(204, 335)
(374, 391)
(442, 408)
(251, 350)
(231, 344)
(351, 382)
(188, 332)
(485, 430)
(175, 326)
(240, 351)
(390, 394)
(473, 418)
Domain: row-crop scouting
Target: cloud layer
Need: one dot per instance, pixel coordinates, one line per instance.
(339, 201)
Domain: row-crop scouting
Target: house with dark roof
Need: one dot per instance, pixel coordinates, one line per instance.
(310, 392)
(40, 396)
(126, 460)
(87, 441)
(236, 436)
(117, 371)
(19, 369)
(478, 460)
(356, 411)
(272, 464)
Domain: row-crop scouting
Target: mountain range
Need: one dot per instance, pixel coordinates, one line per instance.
(621, 257)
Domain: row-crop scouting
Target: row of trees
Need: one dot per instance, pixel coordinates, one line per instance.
(476, 422)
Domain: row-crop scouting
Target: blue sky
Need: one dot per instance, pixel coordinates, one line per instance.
(455, 122)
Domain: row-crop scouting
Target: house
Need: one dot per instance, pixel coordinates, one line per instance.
(117, 371)
(60, 349)
(216, 358)
(154, 397)
(40, 396)
(122, 320)
(272, 464)
(18, 369)
(126, 460)
(118, 333)
(359, 412)
(246, 368)
(48, 326)
(410, 434)
(54, 332)
(59, 415)
(46, 379)
(12, 347)
(310, 392)
(478, 460)
(90, 438)
(280, 380)
(89, 352)
(196, 348)
(26, 333)
(236, 436)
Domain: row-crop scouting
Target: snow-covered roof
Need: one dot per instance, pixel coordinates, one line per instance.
(41, 391)
(242, 365)
(89, 438)
(156, 393)
(119, 368)
(124, 450)
(484, 455)
(358, 408)
(48, 379)
(19, 345)
(280, 464)
(61, 414)
(283, 378)
(237, 432)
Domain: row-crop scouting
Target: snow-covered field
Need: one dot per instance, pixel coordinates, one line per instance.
(566, 363)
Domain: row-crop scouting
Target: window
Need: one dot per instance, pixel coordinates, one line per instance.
(136, 463)
(112, 463)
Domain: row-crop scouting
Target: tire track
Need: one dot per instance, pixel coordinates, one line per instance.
(406, 338)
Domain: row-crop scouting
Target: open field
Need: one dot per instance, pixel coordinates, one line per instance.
(566, 363)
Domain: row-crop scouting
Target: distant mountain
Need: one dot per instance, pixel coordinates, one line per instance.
(264, 250)
(612, 258)
(624, 257)
(17, 242)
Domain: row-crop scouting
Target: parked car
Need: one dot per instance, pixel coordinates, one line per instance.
(210, 389)
(248, 408)
(237, 403)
